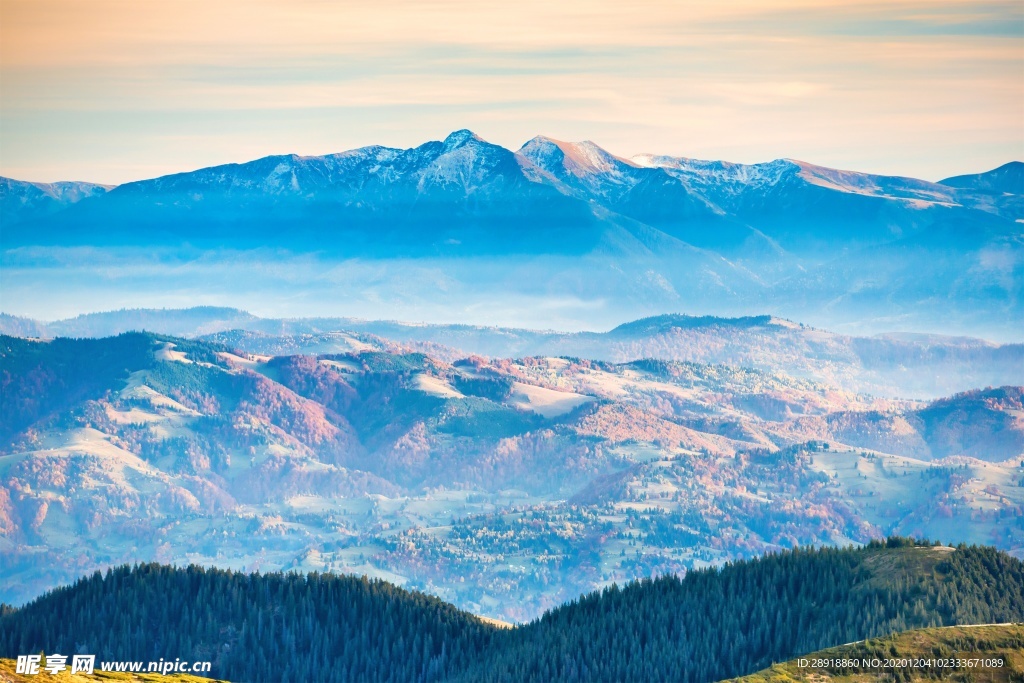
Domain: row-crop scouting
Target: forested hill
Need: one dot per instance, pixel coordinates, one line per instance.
(276, 627)
(718, 623)
(709, 625)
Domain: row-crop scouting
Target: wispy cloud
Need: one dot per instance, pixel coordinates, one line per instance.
(112, 89)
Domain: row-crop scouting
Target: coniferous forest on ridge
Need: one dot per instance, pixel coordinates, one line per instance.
(707, 625)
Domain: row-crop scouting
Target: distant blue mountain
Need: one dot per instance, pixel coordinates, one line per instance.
(1008, 179)
(467, 196)
(461, 196)
(650, 233)
(20, 201)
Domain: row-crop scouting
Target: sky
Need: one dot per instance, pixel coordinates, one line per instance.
(117, 90)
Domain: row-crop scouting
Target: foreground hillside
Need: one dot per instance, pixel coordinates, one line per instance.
(990, 653)
(717, 623)
(321, 627)
(273, 627)
(504, 486)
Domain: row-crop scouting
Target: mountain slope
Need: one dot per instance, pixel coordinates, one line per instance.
(1007, 179)
(462, 196)
(951, 423)
(40, 379)
(791, 603)
(986, 424)
(253, 627)
(803, 190)
(21, 201)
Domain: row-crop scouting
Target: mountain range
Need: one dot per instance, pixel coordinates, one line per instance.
(458, 223)
(895, 365)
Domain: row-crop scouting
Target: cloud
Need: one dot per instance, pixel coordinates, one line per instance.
(117, 88)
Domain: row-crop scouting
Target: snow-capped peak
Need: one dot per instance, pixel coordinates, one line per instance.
(461, 137)
(579, 158)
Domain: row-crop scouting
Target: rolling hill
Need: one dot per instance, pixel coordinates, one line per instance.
(476, 479)
(908, 367)
(912, 365)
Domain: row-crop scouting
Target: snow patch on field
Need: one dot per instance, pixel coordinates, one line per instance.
(136, 388)
(342, 365)
(547, 402)
(436, 387)
(167, 353)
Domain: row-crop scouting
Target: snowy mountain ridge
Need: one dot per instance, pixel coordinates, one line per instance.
(472, 223)
(464, 159)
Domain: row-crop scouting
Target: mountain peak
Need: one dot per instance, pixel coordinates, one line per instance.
(577, 157)
(461, 137)
(1008, 178)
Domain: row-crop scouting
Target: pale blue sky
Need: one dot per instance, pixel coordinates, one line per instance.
(115, 90)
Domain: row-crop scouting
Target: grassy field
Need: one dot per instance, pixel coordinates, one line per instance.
(921, 655)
